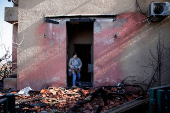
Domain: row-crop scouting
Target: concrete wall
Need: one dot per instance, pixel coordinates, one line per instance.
(11, 14)
(14, 48)
(42, 61)
(108, 50)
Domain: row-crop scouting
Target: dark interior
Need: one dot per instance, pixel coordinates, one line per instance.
(80, 40)
(83, 52)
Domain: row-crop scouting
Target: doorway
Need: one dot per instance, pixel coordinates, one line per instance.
(80, 41)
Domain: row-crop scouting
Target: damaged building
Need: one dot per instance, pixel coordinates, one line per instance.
(114, 39)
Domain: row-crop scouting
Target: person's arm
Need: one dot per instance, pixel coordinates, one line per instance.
(80, 64)
(70, 64)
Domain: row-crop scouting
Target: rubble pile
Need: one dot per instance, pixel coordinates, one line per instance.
(58, 99)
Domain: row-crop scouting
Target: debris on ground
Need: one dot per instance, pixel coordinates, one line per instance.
(24, 91)
(59, 99)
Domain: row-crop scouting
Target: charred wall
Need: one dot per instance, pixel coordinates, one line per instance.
(41, 59)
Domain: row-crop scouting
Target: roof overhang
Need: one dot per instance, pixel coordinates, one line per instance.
(84, 16)
(79, 18)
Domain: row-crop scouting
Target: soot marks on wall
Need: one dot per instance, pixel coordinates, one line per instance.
(97, 27)
(107, 65)
(49, 65)
(48, 62)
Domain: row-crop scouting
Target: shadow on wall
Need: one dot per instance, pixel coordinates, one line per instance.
(131, 7)
(30, 4)
(78, 7)
(107, 55)
(41, 63)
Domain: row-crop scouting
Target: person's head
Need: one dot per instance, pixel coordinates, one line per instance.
(75, 55)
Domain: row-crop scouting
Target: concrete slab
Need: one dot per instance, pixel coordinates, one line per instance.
(10, 83)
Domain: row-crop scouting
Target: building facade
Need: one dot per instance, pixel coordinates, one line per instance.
(113, 39)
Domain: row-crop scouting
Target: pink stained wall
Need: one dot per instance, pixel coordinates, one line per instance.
(108, 49)
(47, 67)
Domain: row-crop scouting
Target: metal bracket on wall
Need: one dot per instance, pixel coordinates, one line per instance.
(14, 2)
(51, 21)
(90, 68)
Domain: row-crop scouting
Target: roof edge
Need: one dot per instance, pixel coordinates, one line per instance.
(82, 16)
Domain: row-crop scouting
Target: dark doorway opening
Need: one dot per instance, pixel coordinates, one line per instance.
(84, 53)
(80, 40)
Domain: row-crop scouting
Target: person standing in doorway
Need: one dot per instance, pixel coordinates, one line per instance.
(75, 64)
